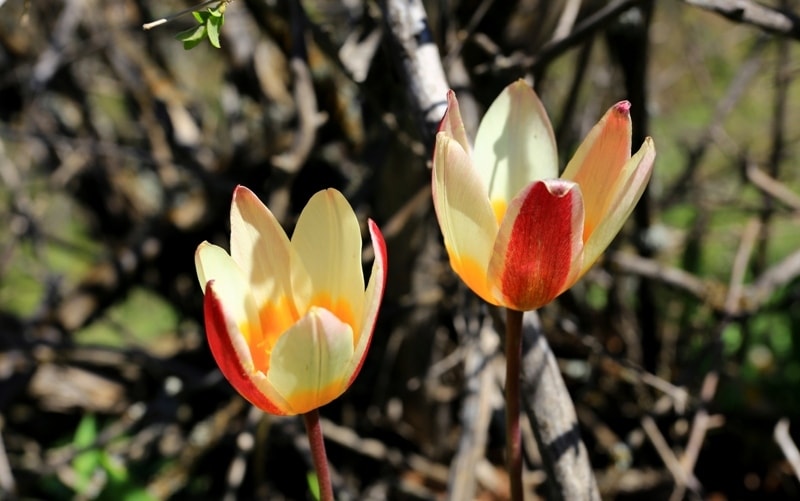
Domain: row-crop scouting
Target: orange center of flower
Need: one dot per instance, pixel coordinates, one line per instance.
(473, 275)
(276, 318)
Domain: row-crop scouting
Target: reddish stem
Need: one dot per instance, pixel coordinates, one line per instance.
(318, 456)
(513, 436)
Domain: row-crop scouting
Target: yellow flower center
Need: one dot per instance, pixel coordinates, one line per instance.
(277, 317)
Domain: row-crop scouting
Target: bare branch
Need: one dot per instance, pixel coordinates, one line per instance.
(546, 402)
(747, 12)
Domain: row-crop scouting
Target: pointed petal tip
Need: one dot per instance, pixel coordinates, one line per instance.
(623, 108)
(559, 187)
(241, 190)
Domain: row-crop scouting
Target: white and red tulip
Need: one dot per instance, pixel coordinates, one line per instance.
(516, 233)
(289, 321)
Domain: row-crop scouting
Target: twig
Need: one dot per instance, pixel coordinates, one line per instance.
(476, 412)
(746, 74)
(681, 476)
(245, 441)
(627, 262)
(308, 116)
(788, 447)
(419, 61)
(702, 419)
(546, 402)
(165, 20)
(748, 12)
(772, 187)
(583, 30)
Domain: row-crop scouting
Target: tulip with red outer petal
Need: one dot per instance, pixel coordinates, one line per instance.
(516, 233)
(289, 321)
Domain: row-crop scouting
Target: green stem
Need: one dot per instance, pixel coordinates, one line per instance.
(315, 440)
(513, 436)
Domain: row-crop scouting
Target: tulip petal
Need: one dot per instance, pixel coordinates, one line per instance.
(372, 302)
(625, 195)
(538, 248)
(231, 351)
(261, 249)
(515, 145)
(328, 240)
(452, 123)
(468, 225)
(599, 162)
(309, 362)
(213, 263)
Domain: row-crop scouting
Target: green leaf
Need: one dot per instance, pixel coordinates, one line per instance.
(192, 36)
(212, 28)
(85, 463)
(86, 432)
(200, 16)
(313, 484)
(219, 12)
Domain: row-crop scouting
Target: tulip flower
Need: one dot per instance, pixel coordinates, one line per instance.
(289, 321)
(516, 233)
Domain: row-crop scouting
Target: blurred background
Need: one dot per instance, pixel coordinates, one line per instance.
(119, 151)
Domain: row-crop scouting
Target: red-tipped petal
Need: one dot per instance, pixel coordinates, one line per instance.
(452, 123)
(372, 302)
(539, 245)
(232, 354)
(625, 195)
(468, 224)
(599, 162)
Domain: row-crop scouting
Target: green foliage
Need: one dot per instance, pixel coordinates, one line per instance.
(96, 473)
(313, 484)
(210, 22)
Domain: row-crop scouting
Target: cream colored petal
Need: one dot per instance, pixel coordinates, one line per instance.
(468, 225)
(452, 123)
(232, 290)
(328, 240)
(372, 301)
(632, 183)
(598, 164)
(261, 249)
(515, 144)
(309, 362)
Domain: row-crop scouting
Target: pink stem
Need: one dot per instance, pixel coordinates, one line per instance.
(513, 436)
(315, 440)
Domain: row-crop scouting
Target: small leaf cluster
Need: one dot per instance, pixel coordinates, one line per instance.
(210, 21)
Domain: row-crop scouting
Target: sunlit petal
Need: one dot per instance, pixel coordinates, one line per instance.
(539, 245)
(309, 362)
(626, 194)
(213, 263)
(261, 249)
(232, 354)
(598, 164)
(465, 217)
(514, 145)
(327, 238)
(452, 123)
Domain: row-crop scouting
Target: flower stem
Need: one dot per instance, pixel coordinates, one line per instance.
(315, 440)
(513, 437)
